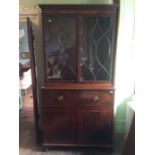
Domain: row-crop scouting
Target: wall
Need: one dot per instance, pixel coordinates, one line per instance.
(124, 77)
(125, 51)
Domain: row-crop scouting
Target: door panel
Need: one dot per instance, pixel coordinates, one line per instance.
(95, 126)
(95, 48)
(60, 48)
(59, 126)
(34, 78)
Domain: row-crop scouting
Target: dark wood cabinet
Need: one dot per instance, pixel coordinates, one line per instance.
(78, 93)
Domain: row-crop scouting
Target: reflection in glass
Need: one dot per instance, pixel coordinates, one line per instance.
(60, 47)
(95, 48)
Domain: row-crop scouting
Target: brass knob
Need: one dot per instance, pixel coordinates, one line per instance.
(60, 98)
(111, 92)
(95, 98)
(49, 20)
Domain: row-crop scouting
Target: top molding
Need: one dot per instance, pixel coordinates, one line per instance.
(106, 9)
(49, 6)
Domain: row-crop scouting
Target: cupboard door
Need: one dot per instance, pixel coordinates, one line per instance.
(96, 48)
(60, 47)
(59, 126)
(95, 126)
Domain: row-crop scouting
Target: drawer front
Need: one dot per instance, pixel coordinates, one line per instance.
(77, 98)
(58, 98)
(96, 98)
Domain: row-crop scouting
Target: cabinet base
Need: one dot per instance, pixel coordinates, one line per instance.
(49, 146)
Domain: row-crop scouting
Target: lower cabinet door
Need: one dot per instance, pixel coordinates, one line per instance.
(59, 126)
(95, 126)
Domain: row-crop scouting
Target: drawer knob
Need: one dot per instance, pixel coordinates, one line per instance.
(60, 98)
(111, 92)
(95, 98)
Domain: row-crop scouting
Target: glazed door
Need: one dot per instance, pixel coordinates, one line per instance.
(95, 126)
(96, 44)
(59, 126)
(60, 48)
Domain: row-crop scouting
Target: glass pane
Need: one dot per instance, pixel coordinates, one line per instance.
(59, 33)
(95, 48)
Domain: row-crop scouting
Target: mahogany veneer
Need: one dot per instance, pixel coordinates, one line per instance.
(78, 93)
(77, 116)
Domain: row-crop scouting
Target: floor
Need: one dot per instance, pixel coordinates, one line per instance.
(27, 145)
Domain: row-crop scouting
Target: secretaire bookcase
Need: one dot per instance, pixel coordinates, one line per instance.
(78, 92)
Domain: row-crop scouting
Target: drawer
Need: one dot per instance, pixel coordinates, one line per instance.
(96, 98)
(58, 98)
